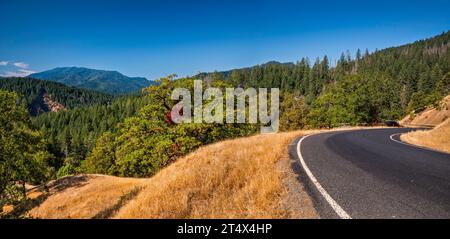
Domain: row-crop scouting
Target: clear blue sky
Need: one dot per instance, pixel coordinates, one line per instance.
(157, 38)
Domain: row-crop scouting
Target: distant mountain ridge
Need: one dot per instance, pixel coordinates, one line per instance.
(111, 82)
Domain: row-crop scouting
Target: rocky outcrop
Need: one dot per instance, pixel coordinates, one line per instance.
(44, 103)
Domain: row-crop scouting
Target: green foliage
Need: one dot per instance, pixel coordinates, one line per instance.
(31, 92)
(300, 78)
(73, 133)
(147, 142)
(293, 112)
(12, 195)
(394, 82)
(132, 136)
(66, 170)
(355, 100)
(419, 101)
(331, 110)
(417, 69)
(101, 159)
(110, 82)
(443, 86)
(23, 155)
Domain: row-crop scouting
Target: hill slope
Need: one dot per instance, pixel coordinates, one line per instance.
(111, 82)
(396, 80)
(431, 116)
(84, 125)
(46, 96)
(437, 138)
(240, 178)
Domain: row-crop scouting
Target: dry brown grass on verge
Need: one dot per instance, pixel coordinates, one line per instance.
(84, 196)
(240, 178)
(431, 116)
(237, 178)
(437, 138)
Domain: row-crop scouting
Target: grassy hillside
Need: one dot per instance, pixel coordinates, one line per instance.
(361, 91)
(135, 136)
(437, 138)
(240, 178)
(82, 196)
(437, 117)
(431, 116)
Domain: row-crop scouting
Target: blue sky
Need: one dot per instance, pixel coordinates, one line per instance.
(157, 38)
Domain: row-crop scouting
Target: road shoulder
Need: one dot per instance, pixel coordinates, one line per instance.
(297, 201)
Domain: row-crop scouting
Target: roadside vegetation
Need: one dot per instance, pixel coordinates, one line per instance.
(437, 138)
(432, 116)
(365, 88)
(437, 117)
(133, 136)
(240, 178)
(23, 154)
(82, 196)
(232, 179)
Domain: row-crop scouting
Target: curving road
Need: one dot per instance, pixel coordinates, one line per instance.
(369, 174)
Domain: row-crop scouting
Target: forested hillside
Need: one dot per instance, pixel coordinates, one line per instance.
(72, 134)
(365, 89)
(32, 91)
(133, 136)
(145, 143)
(130, 137)
(110, 82)
(361, 89)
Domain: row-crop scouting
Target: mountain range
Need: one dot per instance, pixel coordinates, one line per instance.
(111, 82)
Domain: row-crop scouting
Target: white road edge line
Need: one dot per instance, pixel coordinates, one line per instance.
(338, 209)
(415, 146)
(398, 141)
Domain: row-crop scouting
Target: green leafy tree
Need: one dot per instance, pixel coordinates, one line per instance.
(23, 154)
(148, 141)
(354, 100)
(293, 112)
(102, 158)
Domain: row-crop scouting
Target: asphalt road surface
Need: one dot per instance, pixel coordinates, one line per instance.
(371, 174)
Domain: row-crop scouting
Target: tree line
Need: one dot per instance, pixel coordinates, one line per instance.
(30, 91)
(365, 88)
(132, 136)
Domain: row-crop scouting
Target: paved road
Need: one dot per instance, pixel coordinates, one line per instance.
(366, 174)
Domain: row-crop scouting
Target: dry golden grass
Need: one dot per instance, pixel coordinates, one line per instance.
(240, 178)
(437, 138)
(431, 116)
(83, 196)
(237, 178)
